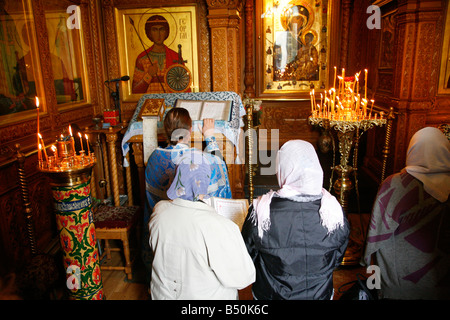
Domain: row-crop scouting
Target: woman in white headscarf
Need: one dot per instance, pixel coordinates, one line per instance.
(198, 254)
(408, 236)
(297, 235)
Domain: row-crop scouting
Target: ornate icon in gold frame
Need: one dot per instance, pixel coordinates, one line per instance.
(294, 45)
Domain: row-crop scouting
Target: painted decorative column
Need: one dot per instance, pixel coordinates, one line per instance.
(72, 199)
(224, 22)
(70, 181)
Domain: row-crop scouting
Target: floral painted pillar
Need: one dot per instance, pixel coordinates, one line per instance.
(73, 204)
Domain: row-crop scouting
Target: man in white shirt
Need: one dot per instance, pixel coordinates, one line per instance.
(198, 254)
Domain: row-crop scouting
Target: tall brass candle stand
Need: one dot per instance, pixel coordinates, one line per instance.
(349, 115)
(346, 132)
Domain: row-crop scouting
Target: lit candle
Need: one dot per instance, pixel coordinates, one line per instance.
(358, 106)
(40, 151)
(37, 110)
(357, 82)
(321, 101)
(314, 98)
(332, 97)
(73, 141)
(365, 84)
(87, 142)
(338, 102)
(352, 97)
(81, 141)
(334, 79)
(43, 147)
(40, 141)
(55, 150)
(370, 113)
(364, 103)
(312, 105)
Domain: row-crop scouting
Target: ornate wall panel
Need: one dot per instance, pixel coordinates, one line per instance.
(290, 118)
(410, 43)
(15, 250)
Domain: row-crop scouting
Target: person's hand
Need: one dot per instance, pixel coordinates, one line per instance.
(208, 127)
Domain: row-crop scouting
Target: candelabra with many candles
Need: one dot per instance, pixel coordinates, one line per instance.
(348, 112)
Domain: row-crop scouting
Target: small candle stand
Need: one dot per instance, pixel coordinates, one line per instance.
(344, 110)
(70, 176)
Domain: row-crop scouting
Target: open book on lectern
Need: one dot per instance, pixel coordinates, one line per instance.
(204, 109)
(234, 209)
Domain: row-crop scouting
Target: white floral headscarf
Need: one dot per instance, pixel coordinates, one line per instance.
(192, 178)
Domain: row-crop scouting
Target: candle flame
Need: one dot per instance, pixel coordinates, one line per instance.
(37, 102)
(86, 136)
(53, 148)
(39, 135)
(79, 134)
(70, 130)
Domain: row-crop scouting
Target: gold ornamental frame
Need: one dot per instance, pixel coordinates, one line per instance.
(296, 46)
(444, 74)
(71, 52)
(22, 31)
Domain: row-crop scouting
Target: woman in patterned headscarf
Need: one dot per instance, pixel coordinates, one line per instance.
(408, 236)
(161, 165)
(198, 254)
(297, 235)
